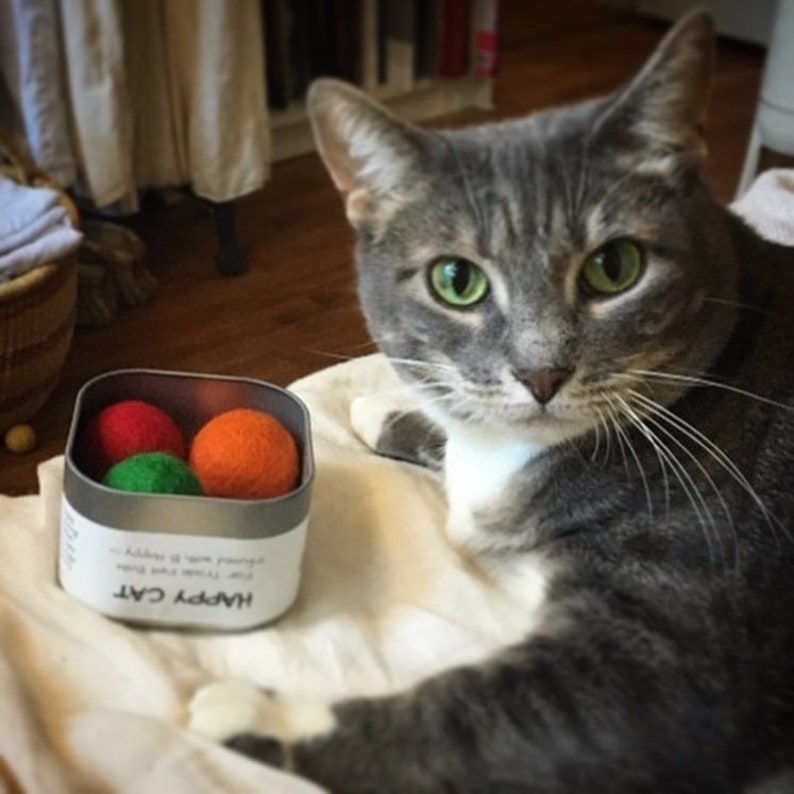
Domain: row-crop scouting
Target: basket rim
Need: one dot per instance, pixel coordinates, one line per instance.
(25, 283)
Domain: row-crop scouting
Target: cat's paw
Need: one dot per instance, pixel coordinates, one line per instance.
(394, 427)
(231, 708)
(370, 415)
(226, 708)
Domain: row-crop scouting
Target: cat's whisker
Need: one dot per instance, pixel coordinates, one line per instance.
(328, 354)
(736, 305)
(386, 392)
(701, 381)
(431, 378)
(422, 386)
(600, 426)
(434, 392)
(717, 454)
(658, 447)
(717, 492)
(341, 356)
(431, 365)
(610, 417)
(688, 485)
(597, 442)
(614, 419)
(697, 500)
(371, 343)
(639, 380)
(608, 452)
(653, 420)
(702, 440)
(637, 461)
(613, 423)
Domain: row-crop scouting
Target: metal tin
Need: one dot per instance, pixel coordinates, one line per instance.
(184, 561)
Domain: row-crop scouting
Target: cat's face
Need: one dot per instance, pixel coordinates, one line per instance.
(526, 274)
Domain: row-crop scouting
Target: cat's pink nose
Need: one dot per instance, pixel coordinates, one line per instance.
(543, 383)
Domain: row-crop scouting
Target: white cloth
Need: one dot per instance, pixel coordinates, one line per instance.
(34, 228)
(769, 205)
(90, 704)
(36, 108)
(21, 206)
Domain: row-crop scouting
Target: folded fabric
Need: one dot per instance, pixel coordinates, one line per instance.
(54, 244)
(49, 219)
(21, 205)
(34, 228)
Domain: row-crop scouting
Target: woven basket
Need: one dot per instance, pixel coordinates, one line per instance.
(37, 316)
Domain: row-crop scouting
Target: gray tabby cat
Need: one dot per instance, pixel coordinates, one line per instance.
(604, 357)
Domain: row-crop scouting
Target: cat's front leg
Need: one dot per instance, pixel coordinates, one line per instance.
(395, 427)
(317, 740)
(257, 722)
(602, 707)
(330, 744)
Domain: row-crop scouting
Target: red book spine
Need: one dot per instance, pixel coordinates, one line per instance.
(454, 39)
(485, 45)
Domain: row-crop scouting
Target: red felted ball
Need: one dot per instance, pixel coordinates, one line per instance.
(245, 454)
(127, 428)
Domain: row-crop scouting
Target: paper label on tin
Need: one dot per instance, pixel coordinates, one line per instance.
(179, 580)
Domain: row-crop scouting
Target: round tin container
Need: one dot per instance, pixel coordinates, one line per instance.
(183, 561)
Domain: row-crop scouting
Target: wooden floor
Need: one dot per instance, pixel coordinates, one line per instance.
(295, 311)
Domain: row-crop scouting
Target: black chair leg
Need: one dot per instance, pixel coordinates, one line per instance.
(230, 259)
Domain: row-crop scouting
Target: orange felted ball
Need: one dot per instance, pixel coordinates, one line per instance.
(245, 454)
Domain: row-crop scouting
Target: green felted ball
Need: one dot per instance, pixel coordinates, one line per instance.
(153, 472)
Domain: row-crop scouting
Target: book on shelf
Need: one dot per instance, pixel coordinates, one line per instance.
(370, 49)
(311, 41)
(427, 30)
(389, 47)
(484, 44)
(406, 53)
(398, 20)
(346, 29)
(454, 38)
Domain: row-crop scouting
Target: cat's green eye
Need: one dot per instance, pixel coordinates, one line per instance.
(613, 268)
(457, 282)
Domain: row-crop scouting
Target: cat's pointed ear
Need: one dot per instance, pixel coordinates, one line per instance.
(371, 155)
(657, 120)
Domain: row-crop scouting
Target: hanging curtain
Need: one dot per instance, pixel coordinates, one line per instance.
(33, 105)
(114, 96)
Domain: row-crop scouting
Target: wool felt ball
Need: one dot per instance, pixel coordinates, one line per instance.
(20, 439)
(127, 428)
(245, 454)
(153, 472)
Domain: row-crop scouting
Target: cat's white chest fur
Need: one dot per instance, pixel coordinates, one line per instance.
(478, 467)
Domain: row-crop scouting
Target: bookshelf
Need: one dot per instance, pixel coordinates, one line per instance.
(420, 58)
